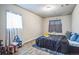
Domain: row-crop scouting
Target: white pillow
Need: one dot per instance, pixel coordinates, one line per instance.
(73, 43)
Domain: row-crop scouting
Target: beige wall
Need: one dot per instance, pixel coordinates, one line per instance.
(31, 23)
(75, 19)
(66, 23)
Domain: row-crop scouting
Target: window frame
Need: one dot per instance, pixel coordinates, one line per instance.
(54, 21)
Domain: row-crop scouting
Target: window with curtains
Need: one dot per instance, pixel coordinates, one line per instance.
(55, 26)
(14, 20)
(14, 26)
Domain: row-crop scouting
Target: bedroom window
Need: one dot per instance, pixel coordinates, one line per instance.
(14, 20)
(55, 26)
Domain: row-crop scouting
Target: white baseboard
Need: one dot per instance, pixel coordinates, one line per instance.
(28, 41)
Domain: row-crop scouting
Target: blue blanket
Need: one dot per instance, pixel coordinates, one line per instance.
(54, 43)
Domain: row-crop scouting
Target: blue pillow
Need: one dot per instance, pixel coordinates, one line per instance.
(73, 37)
(77, 39)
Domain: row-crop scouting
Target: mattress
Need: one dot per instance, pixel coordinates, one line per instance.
(73, 43)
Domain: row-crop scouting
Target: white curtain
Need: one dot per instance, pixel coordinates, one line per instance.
(14, 27)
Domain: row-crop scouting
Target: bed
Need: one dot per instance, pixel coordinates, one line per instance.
(73, 39)
(55, 42)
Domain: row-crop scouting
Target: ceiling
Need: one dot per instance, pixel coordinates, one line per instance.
(49, 10)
